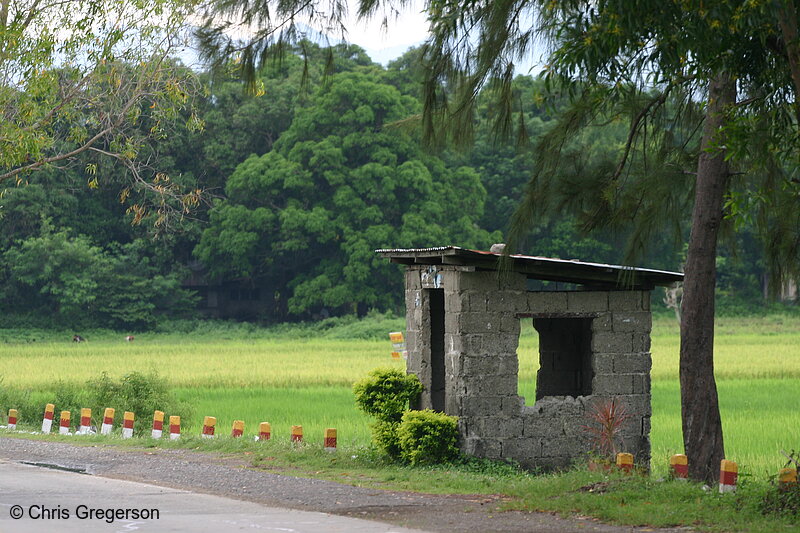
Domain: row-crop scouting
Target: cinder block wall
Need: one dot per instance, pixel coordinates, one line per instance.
(482, 316)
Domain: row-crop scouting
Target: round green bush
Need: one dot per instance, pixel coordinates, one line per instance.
(385, 393)
(384, 435)
(428, 437)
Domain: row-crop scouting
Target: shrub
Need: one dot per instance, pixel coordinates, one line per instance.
(428, 437)
(142, 394)
(385, 393)
(385, 437)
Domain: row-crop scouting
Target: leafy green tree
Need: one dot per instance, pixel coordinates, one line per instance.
(337, 185)
(80, 285)
(78, 79)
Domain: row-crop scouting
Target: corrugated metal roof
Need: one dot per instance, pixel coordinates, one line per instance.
(543, 268)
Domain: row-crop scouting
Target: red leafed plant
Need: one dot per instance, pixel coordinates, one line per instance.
(606, 418)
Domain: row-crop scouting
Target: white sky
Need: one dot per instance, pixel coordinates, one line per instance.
(406, 30)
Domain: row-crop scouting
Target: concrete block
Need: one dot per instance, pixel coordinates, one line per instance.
(413, 280)
(510, 324)
(476, 301)
(479, 322)
(587, 301)
(602, 323)
(482, 447)
(632, 363)
(512, 281)
(612, 342)
(612, 384)
(498, 384)
(508, 301)
(474, 344)
(641, 383)
(547, 302)
(482, 281)
(522, 449)
(603, 363)
(645, 300)
(453, 302)
(541, 427)
(631, 322)
(641, 342)
(636, 404)
(511, 405)
(480, 406)
(625, 300)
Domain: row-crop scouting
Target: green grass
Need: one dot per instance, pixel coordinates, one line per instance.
(304, 376)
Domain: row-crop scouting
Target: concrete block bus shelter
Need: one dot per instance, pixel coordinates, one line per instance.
(464, 313)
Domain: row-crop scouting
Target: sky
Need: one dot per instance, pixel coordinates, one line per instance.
(383, 44)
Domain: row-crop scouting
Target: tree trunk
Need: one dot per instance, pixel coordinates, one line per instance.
(702, 426)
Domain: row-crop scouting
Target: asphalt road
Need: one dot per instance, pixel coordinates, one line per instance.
(52, 500)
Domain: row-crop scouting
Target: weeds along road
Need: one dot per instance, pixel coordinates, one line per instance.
(230, 477)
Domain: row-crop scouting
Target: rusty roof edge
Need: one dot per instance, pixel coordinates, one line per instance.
(677, 276)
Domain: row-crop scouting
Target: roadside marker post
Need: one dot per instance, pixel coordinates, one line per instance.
(679, 467)
(209, 424)
(398, 345)
(625, 462)
(47, 421)
(238, 428)
(12, 419)
(158, 424)
(728, 474)
(108, 421)
(86, 421)
(787, 477)
(174, 427)
(264, 431)
(63, 427)
(330, 440)
(297, 433)
(127, 425)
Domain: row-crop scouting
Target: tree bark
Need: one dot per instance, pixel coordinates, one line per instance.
(702, 426)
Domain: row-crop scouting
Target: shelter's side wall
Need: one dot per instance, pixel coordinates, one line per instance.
(482, 326)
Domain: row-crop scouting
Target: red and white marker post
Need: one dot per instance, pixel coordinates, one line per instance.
(297, 433)
(86, 421)
(330, 440)
(127, 425)
(158, 424)
(238, 428)
(728, 474)
(108, 421)
(679, 467)
(625, 462)
(47, 421)
(63, 426)
(174, 427)
(264, 431)
(209, 425)
(12, 419)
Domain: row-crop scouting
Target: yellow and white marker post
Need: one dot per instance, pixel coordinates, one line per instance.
(625, 462)
(127, 425)
(238, 428)
(330, 440)
(787, 477)
(398, 345)
(174, 427)
(728, 474)
(12, 419)
(297, 433)
(108, 421)
(209, 424)
(158, 424)
(679, 467)
(63, 426)
(86, 421)
(264, 431)
(47, 421)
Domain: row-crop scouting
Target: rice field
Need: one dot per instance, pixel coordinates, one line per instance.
(308, 381)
